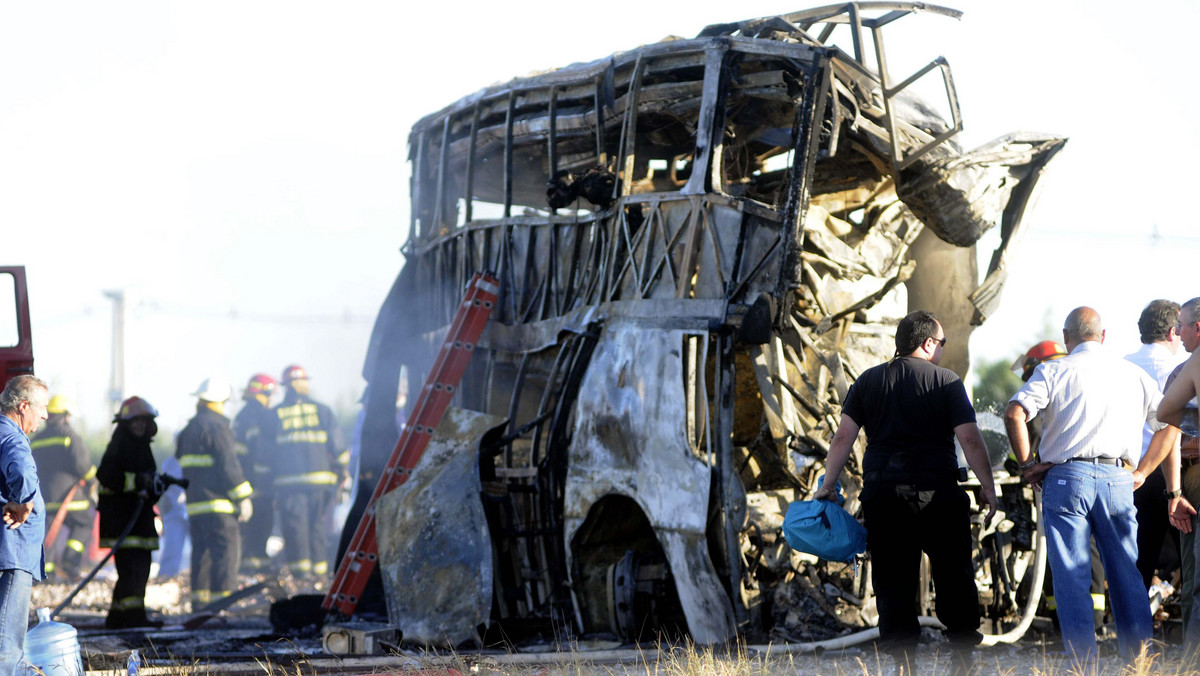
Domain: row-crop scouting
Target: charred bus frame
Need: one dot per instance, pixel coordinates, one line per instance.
(694, 241)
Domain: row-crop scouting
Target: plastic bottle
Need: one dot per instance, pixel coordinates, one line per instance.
(52, 647)
(134, 663)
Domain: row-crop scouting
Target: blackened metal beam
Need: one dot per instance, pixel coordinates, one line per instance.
(508, 154)
(629, 132)
(725, 470)
(414, 229)
(443, 169)
(806, 138)
(470, 196)
(714, 56)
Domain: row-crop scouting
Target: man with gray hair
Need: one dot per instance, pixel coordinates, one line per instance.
(22, 408)
(1094, 404)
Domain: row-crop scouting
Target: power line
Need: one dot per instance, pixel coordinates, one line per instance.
(232, 314)
(235, 314)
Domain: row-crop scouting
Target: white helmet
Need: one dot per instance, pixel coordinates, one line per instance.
(214, 388)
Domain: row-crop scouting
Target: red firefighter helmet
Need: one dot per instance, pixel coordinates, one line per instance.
(1047, 350)
(260, 383)
(134, 407)
(293, 372)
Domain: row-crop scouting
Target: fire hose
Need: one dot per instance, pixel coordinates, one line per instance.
(1012, 636)
(161, 482)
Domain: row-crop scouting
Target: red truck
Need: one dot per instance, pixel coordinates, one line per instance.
(16, 342)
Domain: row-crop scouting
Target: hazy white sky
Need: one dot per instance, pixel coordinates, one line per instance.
(239, 168)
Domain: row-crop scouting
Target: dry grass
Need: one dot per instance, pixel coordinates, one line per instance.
(1031, 657)
(1026, 660)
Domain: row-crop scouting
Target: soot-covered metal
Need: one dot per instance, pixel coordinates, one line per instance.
(700, 243)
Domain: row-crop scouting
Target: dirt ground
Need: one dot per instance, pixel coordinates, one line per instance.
(242, 640)
(243, 632)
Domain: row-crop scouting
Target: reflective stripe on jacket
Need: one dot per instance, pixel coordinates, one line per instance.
(43, 442)
(308, 479)
(219, 506)
(304, 437)
(72, 506)
(131, 542)
(195, 460)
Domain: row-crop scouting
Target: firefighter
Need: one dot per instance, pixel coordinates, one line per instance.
(250, 426)
(218, 494)
(1049, 350)
(127, 494)
(65, 469)
(306, 453)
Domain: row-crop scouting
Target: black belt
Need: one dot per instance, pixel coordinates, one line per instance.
(1100, 461)
(1188, 462)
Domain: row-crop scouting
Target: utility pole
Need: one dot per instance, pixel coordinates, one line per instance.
(116, 380)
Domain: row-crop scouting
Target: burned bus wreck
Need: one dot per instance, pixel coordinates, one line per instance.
(700, 243)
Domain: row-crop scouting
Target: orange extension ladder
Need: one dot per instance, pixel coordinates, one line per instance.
(361, 556)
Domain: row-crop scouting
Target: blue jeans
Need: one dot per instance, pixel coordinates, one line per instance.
(1082, 500)
(16, 586)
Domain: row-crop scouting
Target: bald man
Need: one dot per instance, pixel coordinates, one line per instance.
(1094, 404)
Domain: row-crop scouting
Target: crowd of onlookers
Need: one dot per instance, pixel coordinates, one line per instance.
(1097, 434)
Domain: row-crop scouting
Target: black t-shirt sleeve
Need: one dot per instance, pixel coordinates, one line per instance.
(958, 404)
(853, 405)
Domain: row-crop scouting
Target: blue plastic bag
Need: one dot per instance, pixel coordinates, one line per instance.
(824, 529)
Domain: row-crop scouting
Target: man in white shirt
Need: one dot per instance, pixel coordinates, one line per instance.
(1094, 405)
(1158, 356)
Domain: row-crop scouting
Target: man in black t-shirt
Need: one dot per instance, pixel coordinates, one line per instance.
(912, 410)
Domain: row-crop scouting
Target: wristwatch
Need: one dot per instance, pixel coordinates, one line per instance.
(1173, 494)
(1026, 465)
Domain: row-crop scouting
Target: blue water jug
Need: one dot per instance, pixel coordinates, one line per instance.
(53, 647)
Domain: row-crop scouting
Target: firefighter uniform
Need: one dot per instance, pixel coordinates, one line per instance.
(217, 493)
(305, 456)
(251, 428)
(126, 502)
(64, 469)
